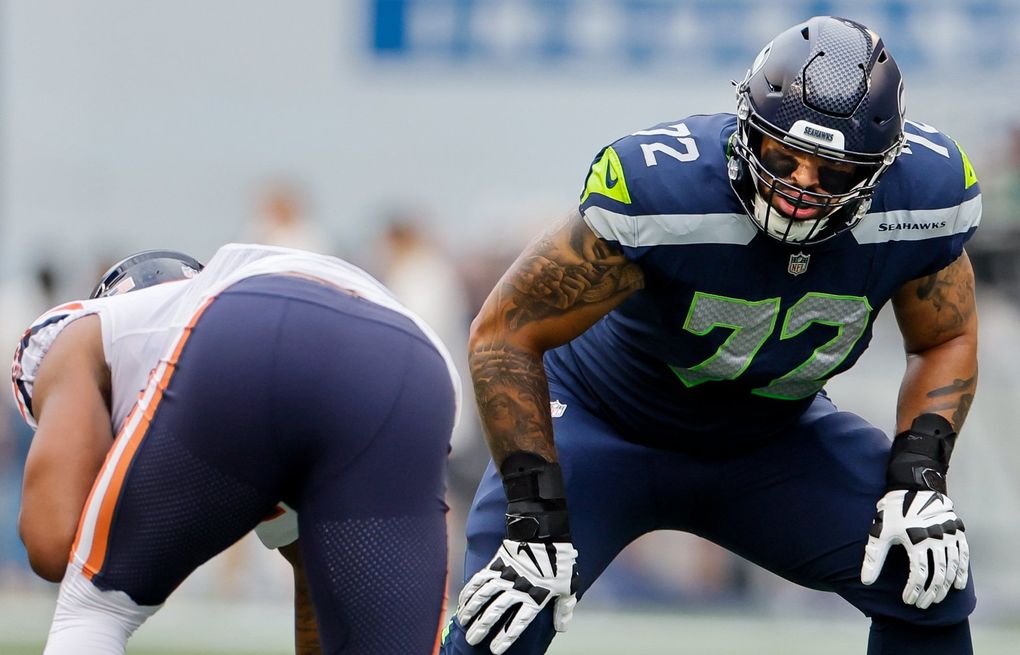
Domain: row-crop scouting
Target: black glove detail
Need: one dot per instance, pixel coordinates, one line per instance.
(536, 500)
(920, 455)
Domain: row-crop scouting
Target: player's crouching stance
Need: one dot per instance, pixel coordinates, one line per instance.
(657, 359)
(272, 376)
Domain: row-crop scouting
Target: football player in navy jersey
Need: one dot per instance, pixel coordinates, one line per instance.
(658, 359)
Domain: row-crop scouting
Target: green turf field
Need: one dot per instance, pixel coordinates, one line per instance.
(189, 626)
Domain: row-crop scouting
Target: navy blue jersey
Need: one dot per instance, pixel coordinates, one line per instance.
(735, 332)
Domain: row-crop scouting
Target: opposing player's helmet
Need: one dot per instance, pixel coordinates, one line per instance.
(145, 269)
(829, 88)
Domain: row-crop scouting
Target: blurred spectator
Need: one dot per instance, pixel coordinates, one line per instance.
(424, 278)
(994, 248)
(673, 568)
(282, 220)
(481, 270)
(1011, 171)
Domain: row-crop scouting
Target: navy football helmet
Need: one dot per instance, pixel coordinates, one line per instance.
(829, 89)
(145, 269)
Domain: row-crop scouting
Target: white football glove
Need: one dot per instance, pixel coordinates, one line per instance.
(922, 522)
(523, 578)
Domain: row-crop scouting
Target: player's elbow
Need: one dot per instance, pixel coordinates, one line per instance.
(47, 553)
(478, 333)
(48, 568)
(486, 334)
(490, 333)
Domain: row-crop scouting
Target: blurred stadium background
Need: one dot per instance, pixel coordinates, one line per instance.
(426, 140)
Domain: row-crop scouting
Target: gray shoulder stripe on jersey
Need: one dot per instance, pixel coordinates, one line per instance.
(919, 224)
(670, 229)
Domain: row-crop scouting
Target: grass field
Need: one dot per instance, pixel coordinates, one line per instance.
(191, 627)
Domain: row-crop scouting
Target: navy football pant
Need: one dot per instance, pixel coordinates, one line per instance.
(291, 390)
(800, 507)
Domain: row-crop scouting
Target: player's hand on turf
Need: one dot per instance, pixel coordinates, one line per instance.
(519, 582)
(924, 523)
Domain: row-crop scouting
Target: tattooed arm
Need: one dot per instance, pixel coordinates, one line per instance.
(939, 325)
(561, 284)
(937, 317)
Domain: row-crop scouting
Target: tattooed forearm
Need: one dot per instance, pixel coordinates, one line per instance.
(957, 396)
(951, 294)
(958, 386)
(960, 415)
(565, 270)
(939, 323)
(563, 283)
(513, 400)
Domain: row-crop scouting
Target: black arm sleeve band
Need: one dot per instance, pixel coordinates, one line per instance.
(536, 499)
(920, 456)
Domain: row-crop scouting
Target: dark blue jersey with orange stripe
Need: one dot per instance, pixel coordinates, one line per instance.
(735, 332)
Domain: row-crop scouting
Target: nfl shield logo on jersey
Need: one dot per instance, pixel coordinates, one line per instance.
(798, 263)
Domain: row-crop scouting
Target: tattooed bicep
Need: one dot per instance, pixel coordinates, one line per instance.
(567, 268)
(938, 306)
(588, 246)
(570, 241)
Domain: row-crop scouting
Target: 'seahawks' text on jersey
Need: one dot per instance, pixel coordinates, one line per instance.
(734, 332)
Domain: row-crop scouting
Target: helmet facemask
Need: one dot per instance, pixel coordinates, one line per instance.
(847, 181)
(826, 95)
